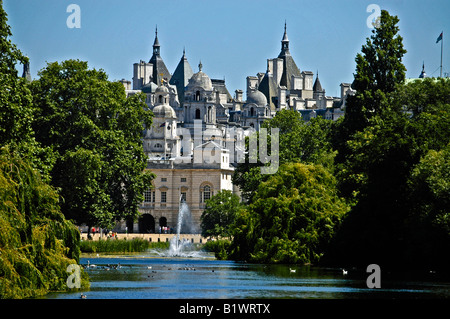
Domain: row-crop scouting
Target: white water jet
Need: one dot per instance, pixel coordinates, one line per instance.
(182, 247)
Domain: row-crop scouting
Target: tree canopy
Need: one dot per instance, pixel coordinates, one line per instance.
(95, 132)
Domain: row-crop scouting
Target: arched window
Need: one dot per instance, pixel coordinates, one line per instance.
(252, 111)
(197, 96)
(206, 193)
(197, 114)
(160, 98)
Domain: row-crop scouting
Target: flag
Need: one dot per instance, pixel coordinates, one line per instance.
(439, 37)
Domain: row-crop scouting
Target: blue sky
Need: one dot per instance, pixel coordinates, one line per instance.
(233, 39)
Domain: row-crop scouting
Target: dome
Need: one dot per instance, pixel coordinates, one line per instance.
(200, 79)
(257, 97)
(164, 111)
(162, 89)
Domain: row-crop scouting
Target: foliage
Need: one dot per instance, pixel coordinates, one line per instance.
(16, 108)
(299, 141)
(292, 218)
(36, 242)
(394, 174)
(115, 245)
(220, 247)
(218, 216)
(379, 70)
(96, 135)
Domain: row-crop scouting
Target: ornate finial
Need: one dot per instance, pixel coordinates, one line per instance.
(200, 65)
(156, 31)
(285, 25)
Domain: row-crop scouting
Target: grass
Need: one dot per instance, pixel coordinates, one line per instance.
(120, 245)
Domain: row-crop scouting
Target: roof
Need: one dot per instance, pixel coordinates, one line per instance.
(317, 87)
(268, 87)
(219, 85)
(160, 70)
(181, 76)
(200, 80)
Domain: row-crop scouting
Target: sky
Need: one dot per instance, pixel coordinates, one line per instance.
(232, 38)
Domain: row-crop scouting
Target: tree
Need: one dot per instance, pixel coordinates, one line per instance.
(379, 70)
(299, 141)
(218, 216)
(36, 242)
(392, 172)
(292, 218)
(96, 134)
(16, 108)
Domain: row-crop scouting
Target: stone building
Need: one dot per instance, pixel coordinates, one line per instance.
(197, 135)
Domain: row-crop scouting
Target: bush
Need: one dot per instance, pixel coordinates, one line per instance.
(219, 247)
(115, 245)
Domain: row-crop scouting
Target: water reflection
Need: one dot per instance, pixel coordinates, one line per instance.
(170, 278)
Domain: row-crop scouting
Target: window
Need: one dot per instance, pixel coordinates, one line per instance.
(163, 197)
(197, 96)
(148, 196)
(163, 179)
(197, 114)
(183, 179)
(183, 196)
(206, 193)
(157, 145)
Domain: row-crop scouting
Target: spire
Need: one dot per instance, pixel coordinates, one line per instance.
(423, 74)
(26, 71)
(285, 40)
(317, 87)
(156, 46)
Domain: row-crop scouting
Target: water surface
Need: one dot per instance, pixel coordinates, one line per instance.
(155, 277)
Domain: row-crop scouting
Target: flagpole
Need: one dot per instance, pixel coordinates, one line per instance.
(442, 49)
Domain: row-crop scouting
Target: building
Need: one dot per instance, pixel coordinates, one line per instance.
(197, 135)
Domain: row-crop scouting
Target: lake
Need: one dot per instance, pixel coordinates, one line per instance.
(150, 276)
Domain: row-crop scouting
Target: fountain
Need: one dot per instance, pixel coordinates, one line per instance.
(182, 247)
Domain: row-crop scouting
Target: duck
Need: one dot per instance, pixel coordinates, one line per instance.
(344, 272)
(292, 270)
(83, 296)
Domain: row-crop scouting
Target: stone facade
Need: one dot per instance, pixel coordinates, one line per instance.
(196, 120)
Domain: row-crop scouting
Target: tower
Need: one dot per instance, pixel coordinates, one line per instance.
(289, 67)
(160, 71)
(423, 74)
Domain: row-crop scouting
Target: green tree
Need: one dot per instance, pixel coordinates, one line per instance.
(219, 214)
(397, 209)
(292, 218)
(299, 141)
(16, 108)
(379, 70)
(36, 242)
(96, 134)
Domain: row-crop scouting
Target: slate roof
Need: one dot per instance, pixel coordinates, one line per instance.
(289, 66)
(268, 87)
(317, 87)
(160, 70)
(181, 76)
